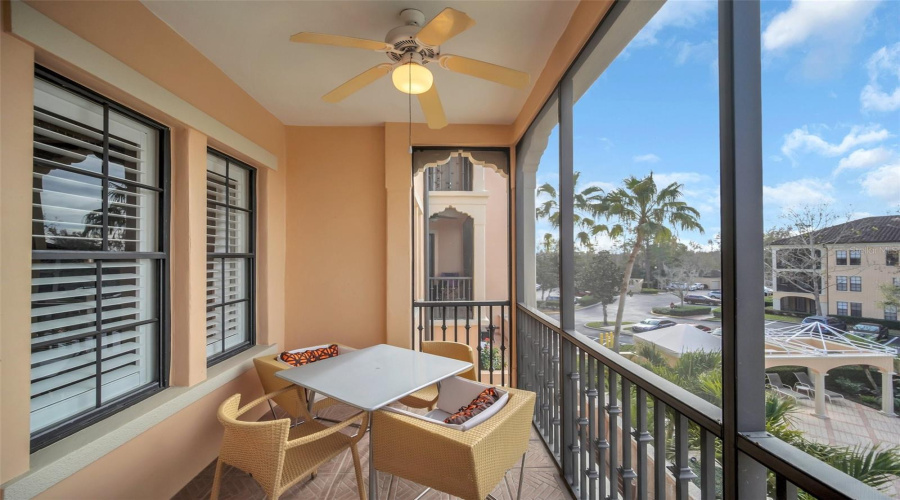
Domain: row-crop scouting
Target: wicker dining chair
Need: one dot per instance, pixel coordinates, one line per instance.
(291, 401)
(464, 463)
(278, 456)
(427, 397)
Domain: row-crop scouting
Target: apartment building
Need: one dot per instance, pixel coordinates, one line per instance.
(852, 263)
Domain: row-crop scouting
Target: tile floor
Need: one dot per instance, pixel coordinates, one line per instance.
(338, 481)
(850, 424)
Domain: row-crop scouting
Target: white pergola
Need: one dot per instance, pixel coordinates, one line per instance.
(821, 348)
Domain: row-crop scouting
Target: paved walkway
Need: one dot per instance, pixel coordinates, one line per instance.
(337, 480)
(850, 424)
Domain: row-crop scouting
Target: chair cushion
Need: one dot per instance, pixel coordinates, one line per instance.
(300, 357)
(481, 402)
(456, 392)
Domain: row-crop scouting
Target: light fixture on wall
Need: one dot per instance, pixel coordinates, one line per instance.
(412, 77)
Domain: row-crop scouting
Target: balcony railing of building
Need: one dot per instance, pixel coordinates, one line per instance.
(795, 286)
(453, 176)
(454, 289)
(483, 325)
(617, 430)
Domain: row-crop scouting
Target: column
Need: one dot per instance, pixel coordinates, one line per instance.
(820, 394)
(480, 268)
(887, 393)
(528, 184)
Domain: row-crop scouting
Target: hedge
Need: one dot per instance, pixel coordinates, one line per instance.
(588, 300)
(548, 304)
(682, 310)
(649, 290)
(850, 320)
(717, 312)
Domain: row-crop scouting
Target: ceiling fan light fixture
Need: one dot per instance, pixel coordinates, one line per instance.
(412, 78)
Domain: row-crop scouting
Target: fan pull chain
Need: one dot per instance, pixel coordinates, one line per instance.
(409, 100)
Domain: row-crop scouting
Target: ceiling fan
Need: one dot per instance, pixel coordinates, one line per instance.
(410, 48)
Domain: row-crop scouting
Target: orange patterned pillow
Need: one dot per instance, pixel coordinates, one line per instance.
(479, 404)
(305, 357)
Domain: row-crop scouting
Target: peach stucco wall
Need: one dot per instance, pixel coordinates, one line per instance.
(335, 236)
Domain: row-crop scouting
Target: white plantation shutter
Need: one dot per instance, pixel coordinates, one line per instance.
(94, 318)
(229, 256)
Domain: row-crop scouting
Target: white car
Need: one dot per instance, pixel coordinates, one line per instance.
(767, 291)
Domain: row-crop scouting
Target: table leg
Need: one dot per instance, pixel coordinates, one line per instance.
(373, 474)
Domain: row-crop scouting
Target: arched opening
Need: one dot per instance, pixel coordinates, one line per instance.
(451, 256)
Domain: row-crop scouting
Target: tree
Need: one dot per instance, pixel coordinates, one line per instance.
(602, 277)
(799, 265)
(700, 372)
(587, 202)
(644, 212)
(547, 265)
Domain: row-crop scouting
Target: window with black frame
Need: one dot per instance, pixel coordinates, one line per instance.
(99, 247)
(230, 247)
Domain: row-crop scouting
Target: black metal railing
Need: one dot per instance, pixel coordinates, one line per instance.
(453, 176)
(617, 430)
(483, 325)
(450, 289)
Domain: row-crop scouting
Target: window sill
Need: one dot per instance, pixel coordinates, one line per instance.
(60, 460)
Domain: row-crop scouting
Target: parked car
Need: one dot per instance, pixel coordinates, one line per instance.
(652, 324)
(873, 331)
(556, 298)
(828, 320)
(716, 294)
(703, 328)
(702, 299)
(716, 332)
(677, 286)
(767, 291)
(698, 286)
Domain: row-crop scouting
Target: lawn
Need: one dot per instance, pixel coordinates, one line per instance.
(598, 325)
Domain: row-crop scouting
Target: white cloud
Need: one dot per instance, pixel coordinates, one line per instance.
(707, 52)
(647, 158)
(884, 63)
(801, 140)
(799, 192)
(677, 13)
(865, 158)
(832, 28)
(686, 178)
(884, 183)
(807, 18)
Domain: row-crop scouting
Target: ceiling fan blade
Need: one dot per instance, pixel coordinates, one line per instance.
(486, 71)
(444, 26)
(341, 41)
(357, 82)
(433, 109)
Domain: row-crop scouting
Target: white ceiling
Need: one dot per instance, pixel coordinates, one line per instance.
(248, 40)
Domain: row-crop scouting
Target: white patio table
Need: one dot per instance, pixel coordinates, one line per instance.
(372, 378)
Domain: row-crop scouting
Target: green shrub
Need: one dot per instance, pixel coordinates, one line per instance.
(717, 312)
(848, 385)
(485, 363)
(649, 290)
(548, 304)
(588, 300)
(768, 300)
(682, 310)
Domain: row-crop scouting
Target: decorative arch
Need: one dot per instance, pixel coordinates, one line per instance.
(495, 159)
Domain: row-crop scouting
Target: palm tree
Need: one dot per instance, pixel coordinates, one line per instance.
(700, 373)
(587, 202)
(643, 212)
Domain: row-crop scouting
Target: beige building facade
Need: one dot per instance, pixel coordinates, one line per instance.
(852, 274)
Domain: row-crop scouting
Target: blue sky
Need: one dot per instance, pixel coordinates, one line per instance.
(831, 109)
